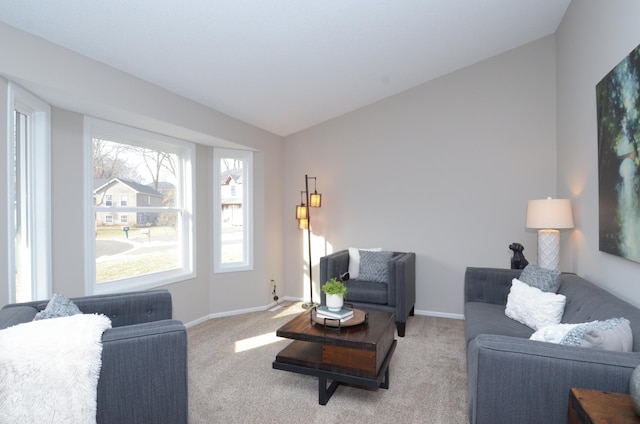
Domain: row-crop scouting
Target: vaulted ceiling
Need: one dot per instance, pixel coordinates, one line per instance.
(285, 65)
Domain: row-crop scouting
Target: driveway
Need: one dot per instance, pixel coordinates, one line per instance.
(111, 247)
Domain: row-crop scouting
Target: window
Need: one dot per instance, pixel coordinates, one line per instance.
(132, 165)
(29, 197)
(232, 210)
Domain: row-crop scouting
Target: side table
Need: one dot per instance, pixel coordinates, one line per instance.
(588, 406)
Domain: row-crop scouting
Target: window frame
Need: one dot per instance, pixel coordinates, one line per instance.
(185, 186)
(37, 199)
(247, 210)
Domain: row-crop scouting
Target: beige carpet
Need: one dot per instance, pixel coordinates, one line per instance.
(231, 379)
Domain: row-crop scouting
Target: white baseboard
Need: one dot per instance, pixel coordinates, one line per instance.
(239, 312)
(295, 299)
(439, 314)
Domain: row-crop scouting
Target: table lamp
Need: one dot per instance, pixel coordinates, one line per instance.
(548, 216)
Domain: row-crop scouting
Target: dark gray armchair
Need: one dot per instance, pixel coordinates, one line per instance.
(397, 295)
(143, 378)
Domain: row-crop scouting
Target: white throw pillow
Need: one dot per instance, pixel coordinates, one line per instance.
(552, 333)
(354, 260)
(533, 307)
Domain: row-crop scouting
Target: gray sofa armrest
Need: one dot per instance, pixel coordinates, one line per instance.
(489, 285)
(402, 284)
(506, 376)
(143, 378)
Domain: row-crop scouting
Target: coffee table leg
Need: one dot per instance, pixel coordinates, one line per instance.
(324, 392)
(384, 384)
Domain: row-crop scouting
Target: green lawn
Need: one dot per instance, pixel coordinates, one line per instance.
(126, 266)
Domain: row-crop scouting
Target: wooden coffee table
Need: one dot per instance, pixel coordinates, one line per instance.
(357, 355)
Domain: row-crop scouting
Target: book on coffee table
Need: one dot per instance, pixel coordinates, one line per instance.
(342, 320)
(323, 311)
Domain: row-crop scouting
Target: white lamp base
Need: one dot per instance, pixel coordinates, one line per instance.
(548, 249)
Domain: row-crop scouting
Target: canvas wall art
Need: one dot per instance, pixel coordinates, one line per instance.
(618, 114)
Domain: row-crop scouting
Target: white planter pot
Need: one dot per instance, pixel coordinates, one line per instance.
(335, 302)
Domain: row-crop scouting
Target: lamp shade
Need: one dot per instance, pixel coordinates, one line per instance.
(302, 212)
(315, 200)
(303, 223)
(549, 213)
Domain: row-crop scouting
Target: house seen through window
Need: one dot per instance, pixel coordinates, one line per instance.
(233, 211)
(141, 212)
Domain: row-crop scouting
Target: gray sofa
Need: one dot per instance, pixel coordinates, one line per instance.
(512, 379)
(143, 378)
(397, 295)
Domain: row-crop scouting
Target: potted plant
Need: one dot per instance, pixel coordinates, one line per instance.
(335, 290)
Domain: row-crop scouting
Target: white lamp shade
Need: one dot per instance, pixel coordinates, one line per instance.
(549, 213)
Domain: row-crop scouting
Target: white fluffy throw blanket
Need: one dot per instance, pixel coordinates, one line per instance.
(49, 370)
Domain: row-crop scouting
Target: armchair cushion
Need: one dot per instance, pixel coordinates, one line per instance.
(367, 292)
(354, 260)
(373, 266)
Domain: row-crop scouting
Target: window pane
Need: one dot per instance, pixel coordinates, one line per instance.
(20, 208)
(136, 233)
(29, 189)
(232, 216)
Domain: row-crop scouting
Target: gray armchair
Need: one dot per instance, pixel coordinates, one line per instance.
(143, 378)
(397, 295)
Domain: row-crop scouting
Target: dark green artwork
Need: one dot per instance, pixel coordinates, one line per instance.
(618, 104)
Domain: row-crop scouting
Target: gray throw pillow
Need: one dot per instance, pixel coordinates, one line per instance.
(612, 334)
(373, 266)
(544, 279)
(58, 306)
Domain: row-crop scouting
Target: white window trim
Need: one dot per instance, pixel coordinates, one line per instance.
(120, 133)
(247, 210)
(38, 192)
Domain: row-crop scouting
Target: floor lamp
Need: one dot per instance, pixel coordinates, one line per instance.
(548, 216)
(303, 215)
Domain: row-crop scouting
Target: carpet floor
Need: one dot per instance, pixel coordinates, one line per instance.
(231, 379)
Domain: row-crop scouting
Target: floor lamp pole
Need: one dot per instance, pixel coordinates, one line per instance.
(311, 303)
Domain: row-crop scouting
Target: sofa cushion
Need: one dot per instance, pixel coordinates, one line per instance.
(533, 307)
(544, 279)
(58, 306)
(354, 260)
(552, 333)
(373, 266)
(488, 318)
(13, 315)
(612, 334)
(367, 292)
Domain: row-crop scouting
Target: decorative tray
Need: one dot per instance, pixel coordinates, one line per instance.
(359, 317)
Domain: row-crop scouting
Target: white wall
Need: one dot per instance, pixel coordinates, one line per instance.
(75, 85)
(444, 170)
(592, 39)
